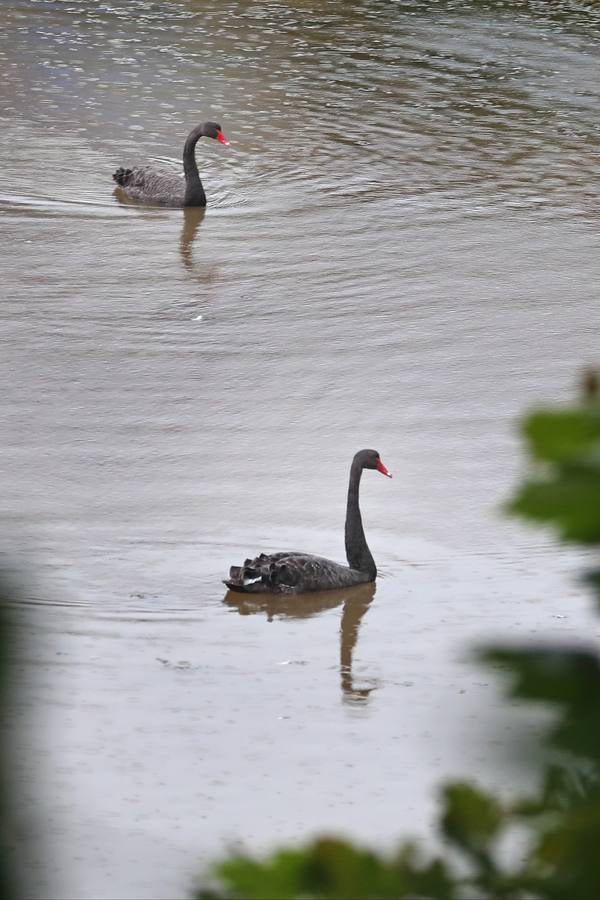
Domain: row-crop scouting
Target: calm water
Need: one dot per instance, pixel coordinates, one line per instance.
(400, 251)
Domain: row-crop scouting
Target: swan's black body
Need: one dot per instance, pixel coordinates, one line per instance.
(297, 573)
(164, 188)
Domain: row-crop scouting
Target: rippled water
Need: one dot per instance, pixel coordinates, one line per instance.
(400, 251)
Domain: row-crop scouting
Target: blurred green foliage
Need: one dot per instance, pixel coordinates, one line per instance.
(555, 833)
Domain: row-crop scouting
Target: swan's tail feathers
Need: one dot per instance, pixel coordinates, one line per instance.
(243, 585)
(244, 588)
(252, 576)
(122, 176)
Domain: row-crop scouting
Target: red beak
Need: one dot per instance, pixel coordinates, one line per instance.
(222, 139)
(381, 468)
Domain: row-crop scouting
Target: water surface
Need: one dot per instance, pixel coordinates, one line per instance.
(400, 252)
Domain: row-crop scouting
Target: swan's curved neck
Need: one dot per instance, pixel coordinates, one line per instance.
(357, 552)
(194, 192)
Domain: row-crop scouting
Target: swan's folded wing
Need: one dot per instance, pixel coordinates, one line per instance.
(289, 572)
(150, 184)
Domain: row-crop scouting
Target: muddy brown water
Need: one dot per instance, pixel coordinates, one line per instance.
(400, 251)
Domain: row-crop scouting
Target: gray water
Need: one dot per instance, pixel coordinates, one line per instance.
(400, 251)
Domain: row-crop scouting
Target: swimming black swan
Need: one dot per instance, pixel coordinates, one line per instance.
(165, 188)
(300, 572)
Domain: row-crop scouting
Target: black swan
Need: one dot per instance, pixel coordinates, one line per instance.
(166, 188)
(297, 573)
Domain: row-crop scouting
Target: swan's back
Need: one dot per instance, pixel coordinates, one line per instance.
(292, 573)
(151, 185)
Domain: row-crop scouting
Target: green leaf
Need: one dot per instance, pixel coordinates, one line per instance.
(565, 677)
(567, 492)
(326, 868)
(571, 501)
(554, 673)
(471, 818)
(557, 436)
(274, 879)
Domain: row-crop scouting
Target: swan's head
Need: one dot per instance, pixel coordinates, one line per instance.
(212, 130)
(370, 459)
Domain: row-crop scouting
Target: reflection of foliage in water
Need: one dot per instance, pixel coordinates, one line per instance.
(559, 827)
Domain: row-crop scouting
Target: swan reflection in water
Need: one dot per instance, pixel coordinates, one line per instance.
(200, 271)
(192, 217)
(356, 602)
